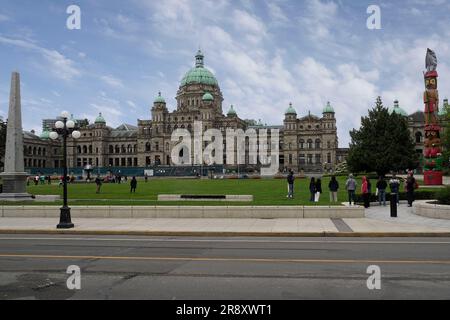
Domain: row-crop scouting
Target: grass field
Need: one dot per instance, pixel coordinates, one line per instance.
(265, 192)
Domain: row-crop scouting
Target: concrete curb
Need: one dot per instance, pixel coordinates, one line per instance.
(230, 234)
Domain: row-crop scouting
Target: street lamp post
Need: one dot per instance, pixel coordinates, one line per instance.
(64, 129)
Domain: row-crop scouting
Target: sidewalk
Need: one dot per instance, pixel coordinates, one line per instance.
(376, 223)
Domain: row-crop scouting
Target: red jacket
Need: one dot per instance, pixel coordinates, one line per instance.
(364, 186)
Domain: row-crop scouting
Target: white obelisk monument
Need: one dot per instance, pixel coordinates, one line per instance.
(14, 177)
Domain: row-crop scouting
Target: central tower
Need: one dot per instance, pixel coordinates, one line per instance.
(199, 88)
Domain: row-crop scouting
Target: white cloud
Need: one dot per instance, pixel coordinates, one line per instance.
(58, 65)
(112, 81)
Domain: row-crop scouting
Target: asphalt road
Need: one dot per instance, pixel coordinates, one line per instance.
(119, 267)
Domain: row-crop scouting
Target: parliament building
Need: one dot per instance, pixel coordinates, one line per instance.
(308, 143)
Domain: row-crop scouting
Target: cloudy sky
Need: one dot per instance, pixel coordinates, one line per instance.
(265, 54)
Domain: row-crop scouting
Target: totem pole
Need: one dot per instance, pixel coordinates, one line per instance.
(432, 170)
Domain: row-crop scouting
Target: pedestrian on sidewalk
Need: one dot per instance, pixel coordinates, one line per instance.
(350, 186)
(98, 182)
(312, 189)
(133, 185)
(381, 190)
(318, 190)
(333, 186)
(290, 181)
(369, 189)
(410, 186)
(365, 192)
(394, 185)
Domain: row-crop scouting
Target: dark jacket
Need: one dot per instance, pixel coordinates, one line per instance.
(133, 183)
(410, 184)
(319, 186)
(290, 178)
(333, 185)
(381, 184)
(312, 187)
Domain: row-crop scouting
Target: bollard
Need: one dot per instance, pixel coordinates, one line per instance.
(393, 205)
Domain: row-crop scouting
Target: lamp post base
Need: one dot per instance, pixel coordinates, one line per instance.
(65, 221)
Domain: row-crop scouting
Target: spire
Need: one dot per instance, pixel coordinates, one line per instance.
(199, 59)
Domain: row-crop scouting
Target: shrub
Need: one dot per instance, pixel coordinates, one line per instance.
(443, 195)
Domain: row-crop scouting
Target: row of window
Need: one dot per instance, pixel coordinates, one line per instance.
(291, 126)
(309, 144)
(310, 158)
(38, 151)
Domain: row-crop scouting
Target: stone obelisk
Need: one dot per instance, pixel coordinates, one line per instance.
(14, 177)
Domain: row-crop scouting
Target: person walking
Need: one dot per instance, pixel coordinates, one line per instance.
(318, 190)
(394, 185)
(410, 186)
(369, 190)
(133, 185)
(290, 181)
(381, 190)
(333, 186)
(365, 192)
(98, 182)
(312, 189)
(350, 186)
(146, 177)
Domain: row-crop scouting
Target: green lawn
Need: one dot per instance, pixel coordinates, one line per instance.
(265, 192)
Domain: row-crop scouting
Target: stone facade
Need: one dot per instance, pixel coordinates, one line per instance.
(308, 143)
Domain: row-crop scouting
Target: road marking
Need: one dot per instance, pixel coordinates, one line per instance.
(325, 261)
(231, 240)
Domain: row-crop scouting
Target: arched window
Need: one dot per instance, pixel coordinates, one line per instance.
(317, 143)
(418, 137)
(78, 149)
(148, 147)
(34, 151)
(301, 144)
(39, 151)
(129, 148)
(123, 149)
(44, 152)
(111, 149)
(90, 149)
(310, 144)
(117, 148)
(84, 149)
(135, 148)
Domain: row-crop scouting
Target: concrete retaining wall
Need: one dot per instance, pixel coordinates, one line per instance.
(437, 211)
(261, 212)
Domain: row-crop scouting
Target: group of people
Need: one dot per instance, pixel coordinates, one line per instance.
(40, 179)
(99, 182)
(315, 188)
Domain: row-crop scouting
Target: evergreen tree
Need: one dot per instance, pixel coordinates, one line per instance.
(382, 144)
(445, 136)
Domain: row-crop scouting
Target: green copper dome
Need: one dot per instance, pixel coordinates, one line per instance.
(398, 110)
(207, 97)
(199, 74)
(100, 119)
(45, 134)
(159, 99)
(231, 112)
(290, 110)
(328, 108)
